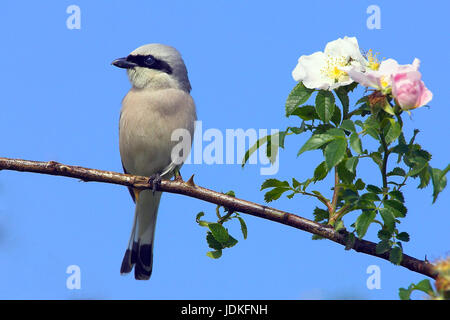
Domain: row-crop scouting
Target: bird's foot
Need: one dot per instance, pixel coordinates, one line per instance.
(155, 180)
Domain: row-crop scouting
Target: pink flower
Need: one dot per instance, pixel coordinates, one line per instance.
(409, 90)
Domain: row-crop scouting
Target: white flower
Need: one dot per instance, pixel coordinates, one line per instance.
(323, 70)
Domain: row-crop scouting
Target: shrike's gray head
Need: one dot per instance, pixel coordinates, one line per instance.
(155, 66)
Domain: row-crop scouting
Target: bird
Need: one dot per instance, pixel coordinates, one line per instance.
(158, 103)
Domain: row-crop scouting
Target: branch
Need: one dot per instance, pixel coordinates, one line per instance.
(191, 190)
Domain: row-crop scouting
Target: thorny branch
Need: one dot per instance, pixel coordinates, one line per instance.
(191, 190)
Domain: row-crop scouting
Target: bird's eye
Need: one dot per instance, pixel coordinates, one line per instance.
(149, 60)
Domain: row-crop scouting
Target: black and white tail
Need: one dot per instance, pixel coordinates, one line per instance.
(140, 247)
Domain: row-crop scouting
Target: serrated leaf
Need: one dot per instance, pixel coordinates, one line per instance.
(424, 286)
(397, 195)
(397, 171)
(212, 242)
(342, 94)
(243, 227)
(320, 214)
(299, 95)
(404, 294)
(370, 196)
(392, 131)
(374, 189)
(214, 254)
(315, 142)
(231, 242)
(325, 105)
(349, 241)
(345, 175)
(271, 183)
(305, 113)
(351, 164)
(274, 194)
(219, 232)
(363, 222)
(399, 207)
(403, 236)
(396, 255)
(320, 172)
(355, 143)
(383, 246)
(383, 234)
(336, 118)
(360, 185)
(348, 125)
(388, 218)
(335, 152)
(439, 181)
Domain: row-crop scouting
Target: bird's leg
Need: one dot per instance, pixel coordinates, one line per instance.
(155, 180)
(177, 175)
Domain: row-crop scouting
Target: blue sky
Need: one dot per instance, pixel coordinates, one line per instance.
(61, 101)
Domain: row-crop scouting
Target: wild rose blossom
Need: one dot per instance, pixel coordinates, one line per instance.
(409, 90)
(323, 70)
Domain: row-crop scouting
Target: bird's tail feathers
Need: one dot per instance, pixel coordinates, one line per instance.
(139, 252)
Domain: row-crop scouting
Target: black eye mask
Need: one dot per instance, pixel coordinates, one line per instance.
(150, 62)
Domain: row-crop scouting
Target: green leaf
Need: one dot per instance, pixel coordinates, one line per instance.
(360, 185)
(316, 141)
(383, 246)
(363, 222)
(370, 197)
(214, 254)
(355, 143)
(439, 181)
(397, 171)
(243, 227)
(345, 175)
(424, 286)
(274, 194)
(219, 232)
(320, 214)
(383, 234)
(376, 157)
(231, 242)
(398, 208)
(349, 241)
(342, 94)
(351, 164)
(320, 172)
(305, 113)
(403, 236)
(388, 218)
(405, 294)
(392, 131)
(348, 125)
(397, 195)
(325, 105)
(212, 242)
(374, 189)
(299, 95)
(272, 183)
(396, 255)
(336, 118)
(202, 223)
(335, 152)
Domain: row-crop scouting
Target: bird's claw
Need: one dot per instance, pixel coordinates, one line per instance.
(155, 180)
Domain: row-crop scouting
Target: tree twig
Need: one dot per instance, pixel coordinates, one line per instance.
(191, 190)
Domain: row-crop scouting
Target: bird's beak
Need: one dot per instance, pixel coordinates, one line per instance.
(123, 63)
